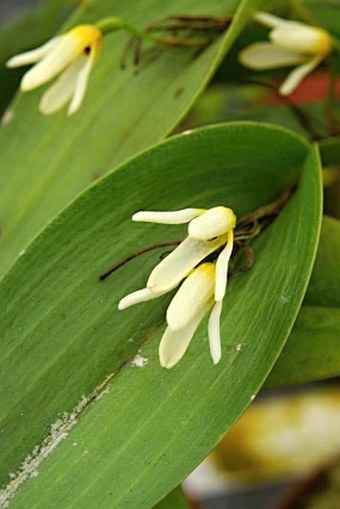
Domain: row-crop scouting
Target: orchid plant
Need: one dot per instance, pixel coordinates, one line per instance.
(215, 126)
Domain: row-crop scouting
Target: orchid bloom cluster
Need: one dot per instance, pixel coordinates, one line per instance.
(204, 284)
(291, 43)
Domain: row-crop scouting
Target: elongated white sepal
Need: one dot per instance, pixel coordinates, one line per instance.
(63, 89)
(177, 217)
(33, 56)
(265, 55)
(174, 344)
(58, 58)
(136, 297)
(196, 290)
(177, 265)
(296, 76)
(222, 268)
(213, 223)
(81, 85)
(214, 332)
(271, 21)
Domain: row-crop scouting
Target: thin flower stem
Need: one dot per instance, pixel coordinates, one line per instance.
(262, 214)
(248, 227)
(135, 255)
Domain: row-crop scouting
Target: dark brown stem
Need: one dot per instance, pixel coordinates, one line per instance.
(135, 255)
(252, 219)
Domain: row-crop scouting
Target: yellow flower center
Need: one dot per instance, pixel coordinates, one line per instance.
(87, 39)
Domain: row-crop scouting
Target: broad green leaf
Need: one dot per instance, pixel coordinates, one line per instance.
(46, 161)
(324, 286)
(312, 351)
(28, 31)
(139, 431)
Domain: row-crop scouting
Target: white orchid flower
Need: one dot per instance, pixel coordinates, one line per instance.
(204, 284)
(292, 43)
(72, 56)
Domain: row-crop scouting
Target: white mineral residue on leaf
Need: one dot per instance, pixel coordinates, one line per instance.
(139, 361)
(58, 432)
(7, 117)
(188, 131)
(239, 347)
(130, 340)
(252, 397)
(22, 252)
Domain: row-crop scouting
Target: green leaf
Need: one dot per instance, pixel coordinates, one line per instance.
(313, 349)
(330, 150)
(46, 161)
(139, 431)
(326, 12)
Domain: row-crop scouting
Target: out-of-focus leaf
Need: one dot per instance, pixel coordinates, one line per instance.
(175, 500)
(327, 14)
(312, 351)
(330, 150)
(140, 430)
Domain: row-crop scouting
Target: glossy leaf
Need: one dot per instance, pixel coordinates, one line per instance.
(139, 431)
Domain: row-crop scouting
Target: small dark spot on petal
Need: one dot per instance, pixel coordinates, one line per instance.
(87, 50)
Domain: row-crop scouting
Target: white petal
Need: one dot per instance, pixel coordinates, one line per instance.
(302, 39)
(174, 344)
(81, 85)
(212, 223)
(177, 265)
(265, 55)
(63, 89)
(177, 217)
(192, 296)
(214, 332)
(33, 56)
(142, 295)
(297, 75)
(222, 269)
(60, 56)
(271, 21)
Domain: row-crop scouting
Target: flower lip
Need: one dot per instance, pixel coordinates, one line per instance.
(196, 290)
